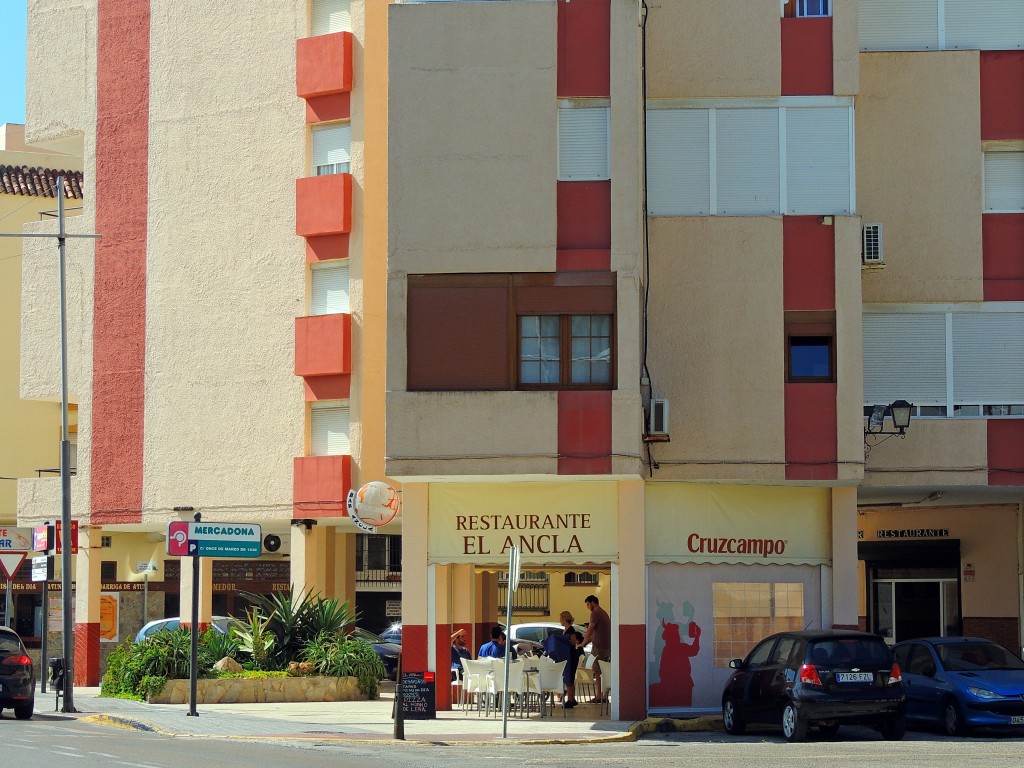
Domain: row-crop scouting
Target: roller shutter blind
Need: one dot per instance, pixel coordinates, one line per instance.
(747, 161)
(330, 148)
(331, 16)
(329, 425)
(988, 358)
(985, 25)
(678, 163)
(583, 144)
(1004, 182)
(818, 178)
(329, 288)
(905, 357)
(906, 25)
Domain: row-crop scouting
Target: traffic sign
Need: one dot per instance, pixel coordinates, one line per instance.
(42, 568)
(214, 539)
(10, 562)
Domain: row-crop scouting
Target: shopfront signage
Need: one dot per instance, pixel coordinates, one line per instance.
(15, 539)
(214, 539)
(913, 533)
(725, 545)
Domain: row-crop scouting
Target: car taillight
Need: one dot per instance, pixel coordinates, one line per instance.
(19, 660)
(809, 675)
(895, 676)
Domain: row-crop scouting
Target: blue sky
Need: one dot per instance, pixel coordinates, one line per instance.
(12, 60)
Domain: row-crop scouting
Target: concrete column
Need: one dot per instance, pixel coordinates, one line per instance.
(629, 579)
(309, 558)
(343, 576)
(443, 604)
(205, 591)
(845, 584)
(415, 592)
(87, 606)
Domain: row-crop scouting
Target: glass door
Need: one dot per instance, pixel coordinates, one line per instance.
(907, 608)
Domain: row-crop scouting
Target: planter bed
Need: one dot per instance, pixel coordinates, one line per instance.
(238, 690)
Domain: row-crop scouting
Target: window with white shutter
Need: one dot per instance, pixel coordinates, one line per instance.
(678, 162)
(988, 358)
(583, 143)
(818, 161)
(747, 160)
(1004, 182)
(331, 16)
(329, 288)
(905, 357)
(984, 25)
(330, 148)
(329, 425)
(921, 25)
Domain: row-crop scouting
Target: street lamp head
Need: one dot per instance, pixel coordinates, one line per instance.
(901, 411)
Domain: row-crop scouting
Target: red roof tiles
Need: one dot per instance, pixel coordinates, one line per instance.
(39, 182)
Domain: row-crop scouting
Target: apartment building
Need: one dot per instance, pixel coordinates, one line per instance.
(617, 283)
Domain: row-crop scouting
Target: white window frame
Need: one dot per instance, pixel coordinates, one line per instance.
(329, 288)
(950, 31)
(956, 317)
(329, 16)
(1003, 182)
(824, 8)
(713, 108)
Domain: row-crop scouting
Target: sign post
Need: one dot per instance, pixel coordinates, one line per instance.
(513, 584)
(199, 539)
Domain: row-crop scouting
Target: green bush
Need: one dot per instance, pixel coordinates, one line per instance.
(295, 619)
(337, 655)
(135, 670)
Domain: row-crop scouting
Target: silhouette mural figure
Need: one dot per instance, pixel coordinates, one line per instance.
(675, 685)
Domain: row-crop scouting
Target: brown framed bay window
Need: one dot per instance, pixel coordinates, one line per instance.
(511, 331)
(810, 347)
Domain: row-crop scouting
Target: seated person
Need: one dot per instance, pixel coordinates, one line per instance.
(495, 649)
(459, 652)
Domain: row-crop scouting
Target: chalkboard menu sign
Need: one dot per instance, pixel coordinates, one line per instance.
(418, 696)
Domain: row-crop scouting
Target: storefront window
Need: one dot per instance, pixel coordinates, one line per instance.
(747, 612)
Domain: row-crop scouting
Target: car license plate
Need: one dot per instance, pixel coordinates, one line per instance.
(854, 677)
(1017, 720)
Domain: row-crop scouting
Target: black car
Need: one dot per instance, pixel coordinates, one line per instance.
(823, 678)
(17, 676)
(388, 652)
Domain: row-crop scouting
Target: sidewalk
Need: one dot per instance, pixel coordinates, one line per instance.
(352, 721)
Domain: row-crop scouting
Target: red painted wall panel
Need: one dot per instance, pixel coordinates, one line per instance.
(336, 106)
(1002, 253)
(326, 247)
(632, 695)
(583, 260)
(584, 59)
(87, 654)
(1002, 95)
(806, 56)
(328, 387)
(584, 433)
(320, 485)
(1005, 451)
(119, 296)
(811, 432)
(584, 215)
(808, 264)
(442, 663)
(414, 648)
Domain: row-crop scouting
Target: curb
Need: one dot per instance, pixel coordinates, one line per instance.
(130, 723)
(673, 725)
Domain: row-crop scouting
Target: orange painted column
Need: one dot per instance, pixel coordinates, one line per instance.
(87, 607)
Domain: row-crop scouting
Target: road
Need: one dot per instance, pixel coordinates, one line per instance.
(58, 742)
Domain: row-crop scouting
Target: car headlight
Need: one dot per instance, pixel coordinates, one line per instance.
(982, 693)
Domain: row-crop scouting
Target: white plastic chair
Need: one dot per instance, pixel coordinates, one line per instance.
(585, 678)
(496, 683)
(607, 674)
(551, 683)
(474, 681)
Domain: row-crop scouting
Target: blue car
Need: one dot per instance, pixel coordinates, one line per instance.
(960, 683)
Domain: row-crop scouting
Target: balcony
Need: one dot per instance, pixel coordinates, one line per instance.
(323, 345)
(323, 65)
(320, 485)
(323, 205)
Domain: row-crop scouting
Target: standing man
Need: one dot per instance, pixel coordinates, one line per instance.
(599, 632)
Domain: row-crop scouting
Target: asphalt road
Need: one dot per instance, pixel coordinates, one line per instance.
(57, 742)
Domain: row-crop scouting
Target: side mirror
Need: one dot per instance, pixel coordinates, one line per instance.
(736, 663)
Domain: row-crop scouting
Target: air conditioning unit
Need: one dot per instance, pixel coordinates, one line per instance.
(871, 246)
(658, 422)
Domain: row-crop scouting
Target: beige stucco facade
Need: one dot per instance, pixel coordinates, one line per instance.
(918, 153)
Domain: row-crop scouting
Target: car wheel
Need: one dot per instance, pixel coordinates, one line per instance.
(829, 728)
(953, 719)
(24, 711)
(894, 729)
(794, 727)
(733, 722)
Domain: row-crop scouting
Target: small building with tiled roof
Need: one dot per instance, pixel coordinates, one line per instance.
(39, 182)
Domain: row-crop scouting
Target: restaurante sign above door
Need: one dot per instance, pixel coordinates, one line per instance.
(550, 523)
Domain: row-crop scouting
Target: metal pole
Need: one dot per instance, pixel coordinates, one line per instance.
(43, 661)
(193, 683)
(8, 605)
(399, 711)
(65, 472)
(512, 564)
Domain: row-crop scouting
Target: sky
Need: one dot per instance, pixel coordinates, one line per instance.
(12, 60)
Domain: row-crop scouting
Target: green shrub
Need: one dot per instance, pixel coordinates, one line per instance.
(296, 618)
(135, 670)
(336, 655)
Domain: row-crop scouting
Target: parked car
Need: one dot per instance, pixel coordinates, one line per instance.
(388, 652)
(17, 676)
(961, 683)
(220, 624)
(393, 634)
(534, 634)
(821, 678)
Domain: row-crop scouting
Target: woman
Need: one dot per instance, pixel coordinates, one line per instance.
(569, 673)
